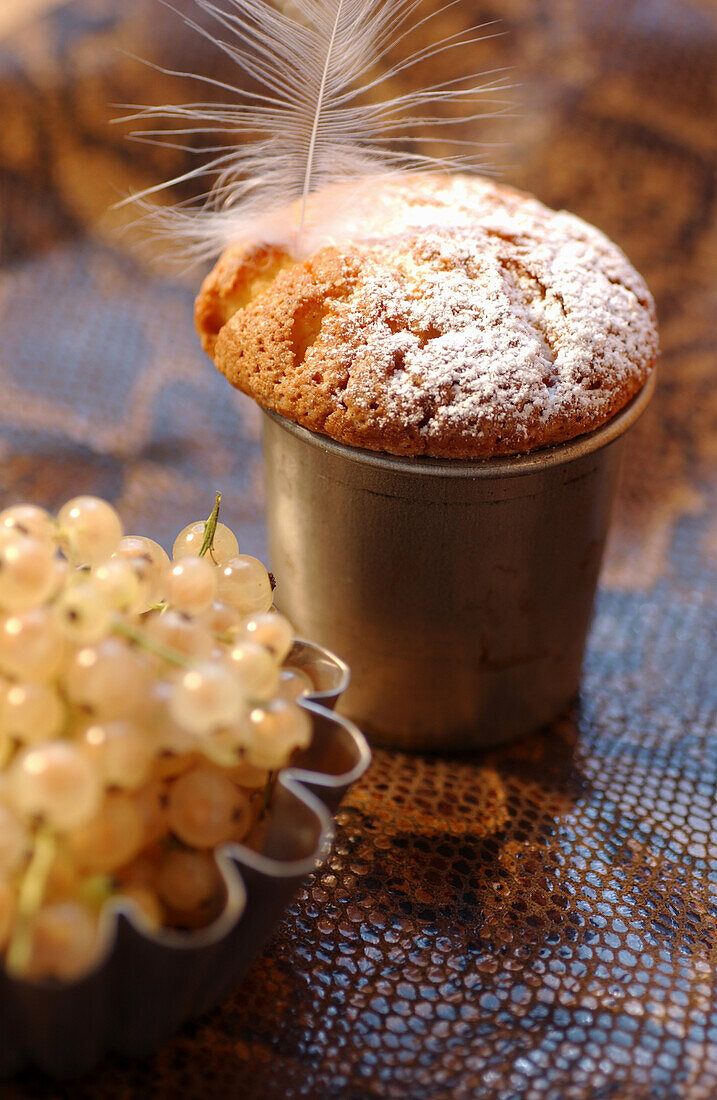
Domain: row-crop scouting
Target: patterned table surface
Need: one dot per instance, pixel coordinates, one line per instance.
(539, 922)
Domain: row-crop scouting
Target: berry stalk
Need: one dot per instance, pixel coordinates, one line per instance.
(32, 892)
(210, 528)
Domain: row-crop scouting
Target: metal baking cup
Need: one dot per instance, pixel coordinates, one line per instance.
(151, 982)
(459, 592)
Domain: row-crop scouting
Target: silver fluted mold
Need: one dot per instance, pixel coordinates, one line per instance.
(460, 593)
(149, 983)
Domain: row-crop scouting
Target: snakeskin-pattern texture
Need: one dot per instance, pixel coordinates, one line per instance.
(539, 923)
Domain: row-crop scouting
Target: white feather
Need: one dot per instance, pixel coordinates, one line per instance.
(313, 118)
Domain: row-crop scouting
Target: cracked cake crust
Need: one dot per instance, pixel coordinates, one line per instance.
(467, 321)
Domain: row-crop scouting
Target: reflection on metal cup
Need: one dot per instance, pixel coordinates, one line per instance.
(459, 593)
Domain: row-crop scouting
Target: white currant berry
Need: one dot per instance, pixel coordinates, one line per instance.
(31, 645)
(28, 519)
(32, 712)
(90, 529)
(111, 838)
(191, 585)
(205, 808)
(27, 573)
(83, 614)
(245, 584)
(277, 729)
(109, 680)
(121, 751)
(256, 668)
(221, 619)
(66, 942)
(187, 881)
(150, 565)
(179, 633)
(272, 631)
(189, 542)
(118, 584)
(206, 697)
(56, 783)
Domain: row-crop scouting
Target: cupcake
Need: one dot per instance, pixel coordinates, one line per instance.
(466, 321)
(446, 380)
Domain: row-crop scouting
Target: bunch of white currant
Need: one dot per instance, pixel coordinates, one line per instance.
(143, 710)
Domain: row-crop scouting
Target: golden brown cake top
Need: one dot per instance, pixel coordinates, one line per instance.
(463, 319)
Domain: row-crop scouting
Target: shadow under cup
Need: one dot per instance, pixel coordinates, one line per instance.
(460, 593)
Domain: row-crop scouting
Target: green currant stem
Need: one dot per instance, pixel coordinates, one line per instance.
(171, 656)
(32, 891)
(210, 528)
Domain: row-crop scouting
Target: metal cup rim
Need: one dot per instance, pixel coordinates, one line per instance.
(504, 466)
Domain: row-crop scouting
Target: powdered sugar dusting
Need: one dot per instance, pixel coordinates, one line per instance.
(482, 314)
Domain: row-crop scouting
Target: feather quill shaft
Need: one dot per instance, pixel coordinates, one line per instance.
(315, 126)
(313, 117)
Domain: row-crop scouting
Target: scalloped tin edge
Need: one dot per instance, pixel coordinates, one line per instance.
(328, 669)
